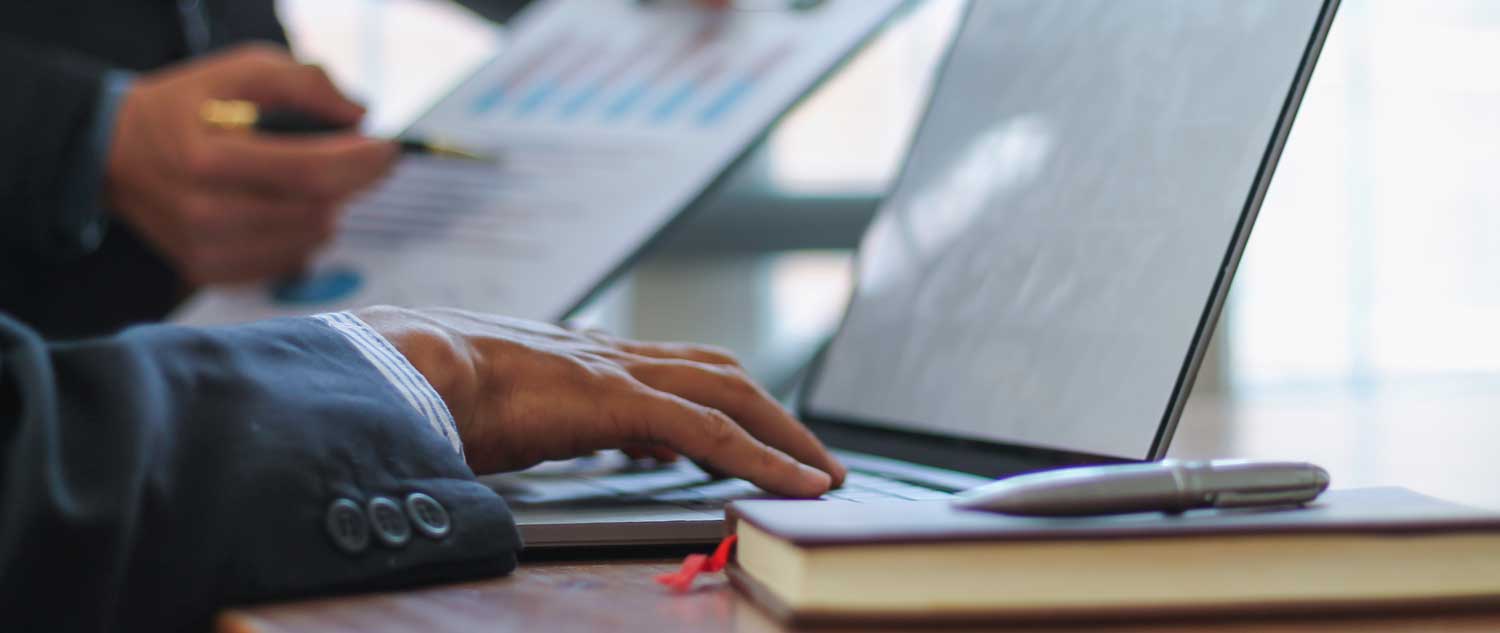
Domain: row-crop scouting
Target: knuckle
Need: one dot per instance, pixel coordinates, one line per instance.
(609, 381)
(718, 354)
(606, 354)
(734, 380)
(630, 421)
(655, 431)
(602, 374)
(768, 461)
(203, 161)
(718, 430)
(592, 336)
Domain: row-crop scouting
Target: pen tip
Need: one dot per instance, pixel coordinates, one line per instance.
(448, 151)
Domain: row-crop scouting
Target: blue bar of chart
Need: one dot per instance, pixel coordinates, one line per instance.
(655, 79)
(739, 88)
(726, 101)
(537, 97)
(624, 104)
(489, 99)
(686, 90)
(552, 85)
(572, 107)
(669, 106)
(596, 86)
(492, 97)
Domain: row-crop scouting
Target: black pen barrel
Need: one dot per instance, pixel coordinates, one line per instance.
(284, 121)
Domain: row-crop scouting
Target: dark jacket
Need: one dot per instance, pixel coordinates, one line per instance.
(151, 479)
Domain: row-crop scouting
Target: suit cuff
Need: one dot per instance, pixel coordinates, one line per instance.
(81, 220)
(399, 372)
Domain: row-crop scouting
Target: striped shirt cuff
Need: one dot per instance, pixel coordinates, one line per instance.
(399, 372)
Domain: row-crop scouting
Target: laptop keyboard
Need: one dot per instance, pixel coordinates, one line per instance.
(858, 487)
(866, 487)
(681, 484)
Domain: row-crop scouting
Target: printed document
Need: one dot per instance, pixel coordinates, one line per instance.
(608, 119)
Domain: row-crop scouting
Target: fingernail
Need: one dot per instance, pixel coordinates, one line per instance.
(840, 472)
(815, 477)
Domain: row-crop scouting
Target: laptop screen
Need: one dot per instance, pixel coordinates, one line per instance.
(1046, 269)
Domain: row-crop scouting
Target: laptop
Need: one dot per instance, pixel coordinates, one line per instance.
(1039, 286)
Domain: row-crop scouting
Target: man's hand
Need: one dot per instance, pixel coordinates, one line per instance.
(523, 392)
(227, 206)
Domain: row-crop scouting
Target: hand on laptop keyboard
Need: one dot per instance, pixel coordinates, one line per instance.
(522, 392)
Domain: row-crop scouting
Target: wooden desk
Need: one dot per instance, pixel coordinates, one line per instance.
(620, 597)
(1441, 444)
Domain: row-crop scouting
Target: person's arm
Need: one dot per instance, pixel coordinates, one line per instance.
(227, 206)
(152, 478)
(221, 207)
(522, 392)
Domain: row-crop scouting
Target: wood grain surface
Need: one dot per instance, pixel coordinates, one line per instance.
(1440, 444)
(620, 596)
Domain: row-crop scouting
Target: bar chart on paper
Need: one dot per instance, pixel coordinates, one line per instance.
(609, 117)
(682, 69)
(699, 80)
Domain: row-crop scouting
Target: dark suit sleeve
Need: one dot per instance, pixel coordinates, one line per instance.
(152, 478)
(47, 108)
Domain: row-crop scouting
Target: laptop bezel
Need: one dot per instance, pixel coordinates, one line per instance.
(997, 459)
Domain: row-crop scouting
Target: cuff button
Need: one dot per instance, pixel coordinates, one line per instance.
(347, 526)
(391, 526)
(430, 517)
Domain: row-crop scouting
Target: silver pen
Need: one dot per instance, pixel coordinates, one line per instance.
(1166, 486)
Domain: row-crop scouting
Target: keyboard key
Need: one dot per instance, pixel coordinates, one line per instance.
(559, 491)
(924, 494)
(890, 487)
(675, 476)
(730, 489)
(683, 495)
(858, 495)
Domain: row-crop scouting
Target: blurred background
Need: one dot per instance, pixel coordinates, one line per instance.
(1363, 322)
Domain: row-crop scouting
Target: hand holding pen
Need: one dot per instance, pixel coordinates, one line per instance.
(241, 115)
(231, 207)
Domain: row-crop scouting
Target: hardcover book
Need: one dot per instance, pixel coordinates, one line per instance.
(829, 561)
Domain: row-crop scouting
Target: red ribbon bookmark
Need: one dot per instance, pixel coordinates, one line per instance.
(681, 580)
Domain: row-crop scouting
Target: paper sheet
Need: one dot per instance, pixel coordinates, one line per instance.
(609, 116)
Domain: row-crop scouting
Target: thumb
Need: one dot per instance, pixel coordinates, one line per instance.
(279, 81)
